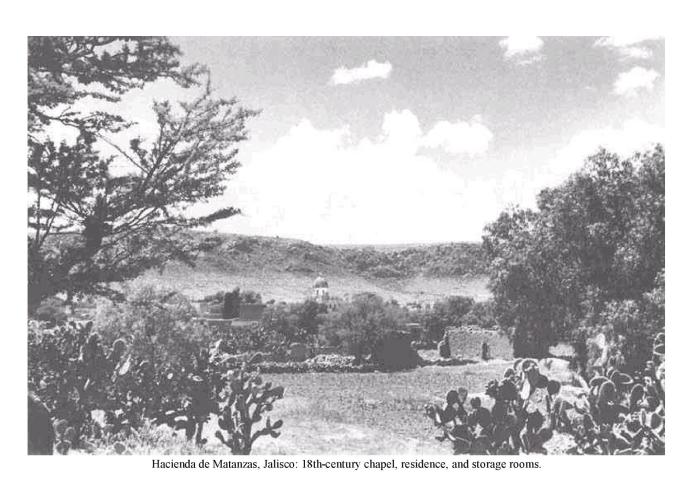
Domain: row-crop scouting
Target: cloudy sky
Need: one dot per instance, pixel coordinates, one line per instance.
(405, 140)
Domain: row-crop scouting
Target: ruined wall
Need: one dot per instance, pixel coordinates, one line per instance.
(466, 342)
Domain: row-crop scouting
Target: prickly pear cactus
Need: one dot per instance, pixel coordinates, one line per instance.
(244, 402)
(625, 414)
(518, 421)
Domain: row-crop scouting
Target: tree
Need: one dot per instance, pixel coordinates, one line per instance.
(447, 312)
(595, 240)
(89, 224)
(295, 322)
(360, 323)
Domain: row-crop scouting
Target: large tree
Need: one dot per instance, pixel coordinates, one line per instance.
(101, 210)
(595, 241)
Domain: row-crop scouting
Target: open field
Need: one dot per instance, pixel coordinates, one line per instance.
(351, 414)
(347, 413)
(373, 413)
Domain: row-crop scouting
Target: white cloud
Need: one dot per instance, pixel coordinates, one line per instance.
(522, 50)
(371, 70)
(628, 47)
(322, 185)
(631, 82)
(631, 136)
(460, 138)
(401, 132)
(523, 182)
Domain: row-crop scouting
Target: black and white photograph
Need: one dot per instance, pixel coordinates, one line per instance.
(397, 245)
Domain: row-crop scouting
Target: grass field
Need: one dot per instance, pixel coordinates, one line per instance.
(373, 413)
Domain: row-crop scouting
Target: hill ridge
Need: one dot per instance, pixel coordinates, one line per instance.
(283, 268)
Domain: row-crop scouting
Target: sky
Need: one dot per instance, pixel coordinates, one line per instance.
(417, 140)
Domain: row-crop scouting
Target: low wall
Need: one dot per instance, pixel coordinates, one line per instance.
(466, 342)
(227, 325)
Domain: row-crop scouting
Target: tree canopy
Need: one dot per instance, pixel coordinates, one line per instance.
(593, 244)
(88, 223)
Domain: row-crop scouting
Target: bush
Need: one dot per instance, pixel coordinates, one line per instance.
(161, 330)
(294, 323)
(629, 328)
(357, 326)
(161, 326)
(98, 391)
(452, 311)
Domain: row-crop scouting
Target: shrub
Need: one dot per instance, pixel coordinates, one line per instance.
(358, 325)
(74, 373)
(163, 338)
(98, 391)
(294, 323)
(629, 328)
(160, 326)
(451, 311)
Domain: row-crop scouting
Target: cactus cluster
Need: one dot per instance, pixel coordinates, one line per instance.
(245, 400)
(202, 383)
(621, 414)
(105, 393)
(616, 414)
(73, 373)
(519, 420)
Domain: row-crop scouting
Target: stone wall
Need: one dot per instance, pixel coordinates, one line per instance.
(246, 311)
(227, 325)
(466, 342)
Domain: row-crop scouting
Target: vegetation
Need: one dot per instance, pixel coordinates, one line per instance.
(246, 399)
(450, 259)
(149, 365)
(295, 322)
(454, 311)
(359, 324)
(618, 414)
(88, 223)
(590, 258)
(519, 420)
(586, 266)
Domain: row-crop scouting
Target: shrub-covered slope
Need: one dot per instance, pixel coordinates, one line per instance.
(283, 269)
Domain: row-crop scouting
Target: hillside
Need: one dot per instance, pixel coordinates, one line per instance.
(283, 269)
